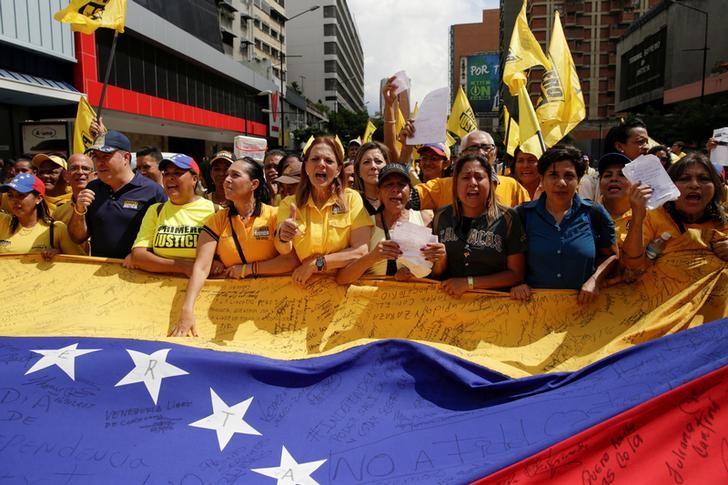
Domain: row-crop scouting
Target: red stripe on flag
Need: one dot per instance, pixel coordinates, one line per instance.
(678, 437)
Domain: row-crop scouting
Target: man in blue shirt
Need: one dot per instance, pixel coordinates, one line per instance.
(110, 209)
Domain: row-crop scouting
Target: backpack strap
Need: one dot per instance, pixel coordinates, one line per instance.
(160, 205)
(53, 239)
(596, 219)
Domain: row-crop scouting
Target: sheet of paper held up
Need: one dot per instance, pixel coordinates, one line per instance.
(431, 118)
(401, 82)
(719, 154)
(648, 170)
(411, 238)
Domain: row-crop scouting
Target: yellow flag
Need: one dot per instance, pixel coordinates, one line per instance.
(512, 132)
(368, 132)
(462, 119)
(562, 103)
(529, 132)
(85, 115)
(86, 16)
(524, 53)
(398, 128)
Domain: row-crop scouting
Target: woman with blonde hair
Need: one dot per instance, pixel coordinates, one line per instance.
(324, 222)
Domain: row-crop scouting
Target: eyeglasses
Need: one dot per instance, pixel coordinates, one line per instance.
(77, 169)
(486, 147)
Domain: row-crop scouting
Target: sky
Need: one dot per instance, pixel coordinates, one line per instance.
(425, 26)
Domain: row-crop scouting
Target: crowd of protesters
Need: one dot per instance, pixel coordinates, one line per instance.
(515, 225)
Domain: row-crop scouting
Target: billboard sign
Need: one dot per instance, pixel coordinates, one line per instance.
(481, 80)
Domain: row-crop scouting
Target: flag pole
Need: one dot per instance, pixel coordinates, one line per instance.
(106, 76)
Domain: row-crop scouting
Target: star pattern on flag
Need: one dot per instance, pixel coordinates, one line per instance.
(150, 369)
(226, 420)
(290, 472)
(64, 358)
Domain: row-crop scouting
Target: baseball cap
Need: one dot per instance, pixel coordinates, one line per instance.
(180, 160)
(42, 157)
(439, 148)
(222, 155)
(613, 158)
(356, 141)
(24, 183)
(393, 169)
(110, 142)
(291, 174)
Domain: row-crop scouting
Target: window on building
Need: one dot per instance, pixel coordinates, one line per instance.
(329, 66)
(266, 29)
(329, 12)
(329, 29)
(330, 48)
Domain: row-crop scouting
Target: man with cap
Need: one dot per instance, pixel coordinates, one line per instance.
(437, 193)
(219, 165)
(52, 171)
(351, 149)
(111, 208)
(288, 181)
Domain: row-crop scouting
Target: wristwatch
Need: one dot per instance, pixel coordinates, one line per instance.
(320, 263)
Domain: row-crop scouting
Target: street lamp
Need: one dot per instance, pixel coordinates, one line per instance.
(705, 45)
(281, 57)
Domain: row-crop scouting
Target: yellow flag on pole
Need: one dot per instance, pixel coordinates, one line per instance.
(85, 115)
(512, 132)
(398, 128)
(529, 135)
(524, 53)
(462, 119)
(368, 132)
(562, 103)
(86, 16)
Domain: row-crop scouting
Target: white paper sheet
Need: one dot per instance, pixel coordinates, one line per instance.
(401, 82)
(411, 237)
(648, 170)
(719, 154)
(431, 118)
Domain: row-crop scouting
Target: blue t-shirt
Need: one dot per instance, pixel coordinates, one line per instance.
(564, 255)
(113, 218)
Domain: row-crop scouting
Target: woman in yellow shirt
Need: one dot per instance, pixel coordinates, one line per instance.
(325, 223)
(241, 235)
(695, 221)
(29, 228)
(167, 238)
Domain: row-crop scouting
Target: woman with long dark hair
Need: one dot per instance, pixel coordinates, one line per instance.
(241, 235)
(484, 240)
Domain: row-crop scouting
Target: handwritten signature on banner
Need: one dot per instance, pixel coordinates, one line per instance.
(275, 318)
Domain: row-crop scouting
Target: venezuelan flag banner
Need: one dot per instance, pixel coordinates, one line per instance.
(379, 382)
(86, 16)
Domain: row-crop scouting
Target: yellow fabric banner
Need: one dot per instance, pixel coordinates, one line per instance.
(524, 52)
(529, 132)
(86, 16)
(562, 104)
(76, 296)
(462, 119)
(85, 115)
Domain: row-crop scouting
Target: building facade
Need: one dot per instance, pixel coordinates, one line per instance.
(325, 55)
(475, 65)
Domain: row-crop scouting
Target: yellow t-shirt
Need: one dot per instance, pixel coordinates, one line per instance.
(173, 233)
(256, 238)
(437, 193)
(64, 213)
(622, 225)
(55, 202)
(325, 230)
(35, 239)
(696, 236)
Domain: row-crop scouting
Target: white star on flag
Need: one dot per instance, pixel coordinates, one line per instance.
(289, 472)
(150, 369)
(64, 358)
(226, 420)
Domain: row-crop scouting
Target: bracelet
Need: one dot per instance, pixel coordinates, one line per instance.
(470, 282)
(85, 210)
(390, 121)
(244, 272)
(254, 269)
